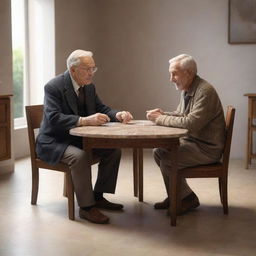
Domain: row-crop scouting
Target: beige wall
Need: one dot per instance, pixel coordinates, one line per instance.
(5, 65)
(5, 48)
(133, 41)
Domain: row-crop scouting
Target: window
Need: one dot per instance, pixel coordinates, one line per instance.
(19, 57)
(33, 53)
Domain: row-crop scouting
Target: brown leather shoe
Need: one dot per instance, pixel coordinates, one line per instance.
(93, 215)
(105, 204)
(188, 203)
(162, 205)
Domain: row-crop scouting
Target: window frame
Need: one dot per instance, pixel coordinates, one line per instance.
(20, 122)
(39, 33)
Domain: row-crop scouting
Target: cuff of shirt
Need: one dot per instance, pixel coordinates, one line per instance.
(79, 122)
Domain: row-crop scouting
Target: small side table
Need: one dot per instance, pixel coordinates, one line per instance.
(5, 127)
(251, 127)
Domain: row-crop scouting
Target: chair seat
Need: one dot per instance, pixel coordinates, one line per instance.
(209, 170)
(61, 167)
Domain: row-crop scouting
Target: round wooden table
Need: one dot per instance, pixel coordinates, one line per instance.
(137, 134)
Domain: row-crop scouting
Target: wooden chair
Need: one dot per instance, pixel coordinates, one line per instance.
(34, 117)
(217, 170)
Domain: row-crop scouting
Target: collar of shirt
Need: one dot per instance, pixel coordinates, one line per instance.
(75, 85)
(192, 88)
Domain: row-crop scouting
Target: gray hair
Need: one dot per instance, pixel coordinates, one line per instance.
(185, 62)
(74, 58)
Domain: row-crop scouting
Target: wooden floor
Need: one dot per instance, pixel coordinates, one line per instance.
(45, 229)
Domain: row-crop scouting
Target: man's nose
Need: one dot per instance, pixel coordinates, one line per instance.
(90, 73)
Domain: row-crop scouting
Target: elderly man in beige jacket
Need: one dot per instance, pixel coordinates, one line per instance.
(200, 111)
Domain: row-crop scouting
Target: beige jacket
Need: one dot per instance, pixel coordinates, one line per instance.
(203, 118)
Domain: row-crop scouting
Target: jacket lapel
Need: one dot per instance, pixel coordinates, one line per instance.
(182, 102)
(70, 93)
(191, 92)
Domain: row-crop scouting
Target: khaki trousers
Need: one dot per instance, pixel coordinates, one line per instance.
(189, 154)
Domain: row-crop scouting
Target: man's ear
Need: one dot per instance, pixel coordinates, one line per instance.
(189, 73)
(72, 70)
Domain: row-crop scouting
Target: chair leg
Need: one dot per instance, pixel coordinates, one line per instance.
(224, 193)
(138, 173)
(221, 200)
(178, 191)
(35, 184)
(65, 192)
(70, 190)
(173, 188)
(173, 199)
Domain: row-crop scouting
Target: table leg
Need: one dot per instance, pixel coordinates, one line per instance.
(249, 137)
(250, 147)
(135, 172)
(247, 148)
(140, 162)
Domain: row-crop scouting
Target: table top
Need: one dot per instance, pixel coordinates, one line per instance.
(134, 129)
(250, 94)
(5, 96)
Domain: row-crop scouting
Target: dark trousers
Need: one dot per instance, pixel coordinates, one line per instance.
(78, 161)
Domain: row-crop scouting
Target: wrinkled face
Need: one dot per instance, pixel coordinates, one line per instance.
(83, 73)
(181, 78)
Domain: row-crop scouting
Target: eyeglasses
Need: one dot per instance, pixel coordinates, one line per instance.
(92, 69)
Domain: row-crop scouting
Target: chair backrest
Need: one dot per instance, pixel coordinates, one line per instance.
(34, 116)
(230, 117)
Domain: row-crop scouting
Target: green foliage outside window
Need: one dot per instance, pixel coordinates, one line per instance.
(18, 83)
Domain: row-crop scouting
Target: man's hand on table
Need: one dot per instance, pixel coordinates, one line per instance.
(94, 120)
(124, 116)
(153, 114)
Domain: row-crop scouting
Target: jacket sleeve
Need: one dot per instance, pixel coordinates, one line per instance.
(177, 112)
(54, 110)
(202, 112)
(104, 109)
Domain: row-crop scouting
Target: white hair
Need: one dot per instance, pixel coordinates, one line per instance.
(185, 62)
(74, 58)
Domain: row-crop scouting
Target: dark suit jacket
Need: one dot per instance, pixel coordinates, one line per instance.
(61, 114)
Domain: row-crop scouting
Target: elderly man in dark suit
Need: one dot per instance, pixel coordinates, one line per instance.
(200, 111)
(71, 100)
